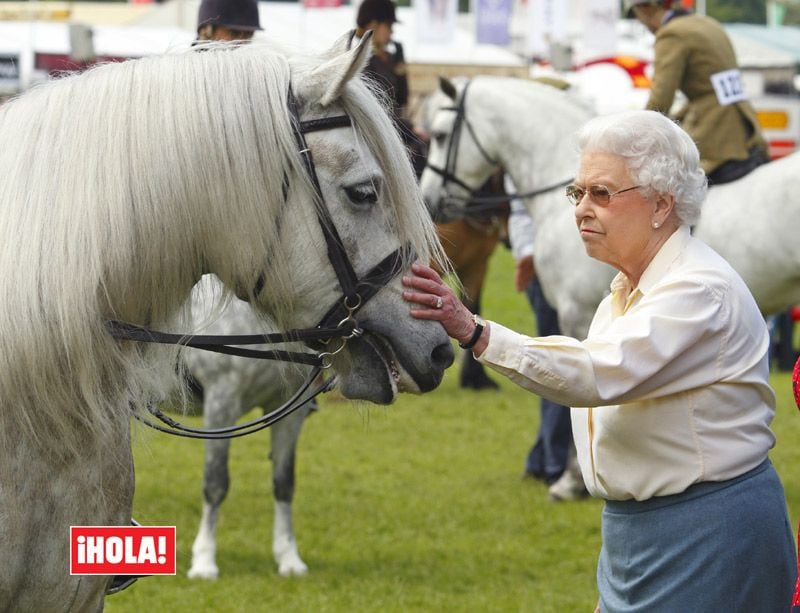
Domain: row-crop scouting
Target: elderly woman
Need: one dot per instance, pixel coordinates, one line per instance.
(671, 401)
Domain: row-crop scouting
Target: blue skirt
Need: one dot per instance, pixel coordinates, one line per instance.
(723, 546)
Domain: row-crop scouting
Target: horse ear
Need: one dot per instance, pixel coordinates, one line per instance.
(326, 81)
(446, 85)
(343, 44)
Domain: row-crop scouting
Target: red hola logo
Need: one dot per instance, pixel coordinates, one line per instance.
(122, 550)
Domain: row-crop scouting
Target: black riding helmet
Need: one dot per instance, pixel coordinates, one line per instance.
(381, 11)
(233, 14)
(627, 5)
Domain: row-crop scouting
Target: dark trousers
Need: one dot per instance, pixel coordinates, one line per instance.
(548, 457)
(736, 169)
(782, 351)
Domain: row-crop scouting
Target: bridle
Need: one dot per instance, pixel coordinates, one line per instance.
(448, 173)
(339, 321)
(473, 205)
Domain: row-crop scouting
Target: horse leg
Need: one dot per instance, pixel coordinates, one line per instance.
(221, 408)
(284, 446)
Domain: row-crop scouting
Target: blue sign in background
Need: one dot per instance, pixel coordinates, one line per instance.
(491, 22)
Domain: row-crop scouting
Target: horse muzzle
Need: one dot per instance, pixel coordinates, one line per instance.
(378, 370)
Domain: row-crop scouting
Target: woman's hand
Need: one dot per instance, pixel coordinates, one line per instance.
(433, 299)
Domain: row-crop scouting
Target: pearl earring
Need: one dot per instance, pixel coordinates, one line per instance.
(655, 224)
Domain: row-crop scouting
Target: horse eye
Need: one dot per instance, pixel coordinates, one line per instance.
(363, 194)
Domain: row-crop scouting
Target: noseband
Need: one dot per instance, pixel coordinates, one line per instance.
(339, 321)
(473, 205)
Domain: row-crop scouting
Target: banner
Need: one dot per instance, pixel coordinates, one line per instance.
(491, 22)
(436, 21)
(122, 550)
(547, 24)
(600, 29)
(321, 4)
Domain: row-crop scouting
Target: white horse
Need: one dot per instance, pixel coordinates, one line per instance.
(526, 130)
(230, 386)
(752, 223)
(122, 186)
(529, 129)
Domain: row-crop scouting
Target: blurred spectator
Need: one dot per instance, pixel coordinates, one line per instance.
(227, 20)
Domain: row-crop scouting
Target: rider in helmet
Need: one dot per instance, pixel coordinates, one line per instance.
(387, 65)
(227, 20)
(387, 69)
(693, 54)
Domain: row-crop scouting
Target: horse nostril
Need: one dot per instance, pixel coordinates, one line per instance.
(442, 356)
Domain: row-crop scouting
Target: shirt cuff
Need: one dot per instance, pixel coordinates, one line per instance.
(519, 253)
(505, 347)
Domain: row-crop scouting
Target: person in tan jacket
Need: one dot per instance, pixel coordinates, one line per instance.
(693, 54)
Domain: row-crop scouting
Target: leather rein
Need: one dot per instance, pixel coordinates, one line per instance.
(473, 205)
(339, 321)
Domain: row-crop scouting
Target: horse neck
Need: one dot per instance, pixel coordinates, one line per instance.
(532, 135)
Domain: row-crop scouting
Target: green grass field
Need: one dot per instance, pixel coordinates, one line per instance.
(414, 507)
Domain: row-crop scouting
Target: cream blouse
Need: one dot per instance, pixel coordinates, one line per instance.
(671, 386)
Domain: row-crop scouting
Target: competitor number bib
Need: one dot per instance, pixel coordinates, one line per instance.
(728, 86)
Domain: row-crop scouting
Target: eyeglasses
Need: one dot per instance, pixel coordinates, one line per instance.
(597, 193)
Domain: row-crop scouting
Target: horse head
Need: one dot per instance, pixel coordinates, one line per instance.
(355, 201)
(460, 155)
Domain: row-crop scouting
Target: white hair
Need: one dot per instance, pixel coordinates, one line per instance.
(120, 187)
(659, 155)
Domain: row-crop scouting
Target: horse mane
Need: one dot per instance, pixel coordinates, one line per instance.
(572, 104)
(121, 186)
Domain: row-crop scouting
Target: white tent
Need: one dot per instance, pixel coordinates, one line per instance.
(171, 25)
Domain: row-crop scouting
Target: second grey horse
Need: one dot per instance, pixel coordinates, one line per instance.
(228, 387)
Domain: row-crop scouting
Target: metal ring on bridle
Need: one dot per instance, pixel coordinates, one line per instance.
(349, 319)
(326, 357)
(356, 330)
(354, 308)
